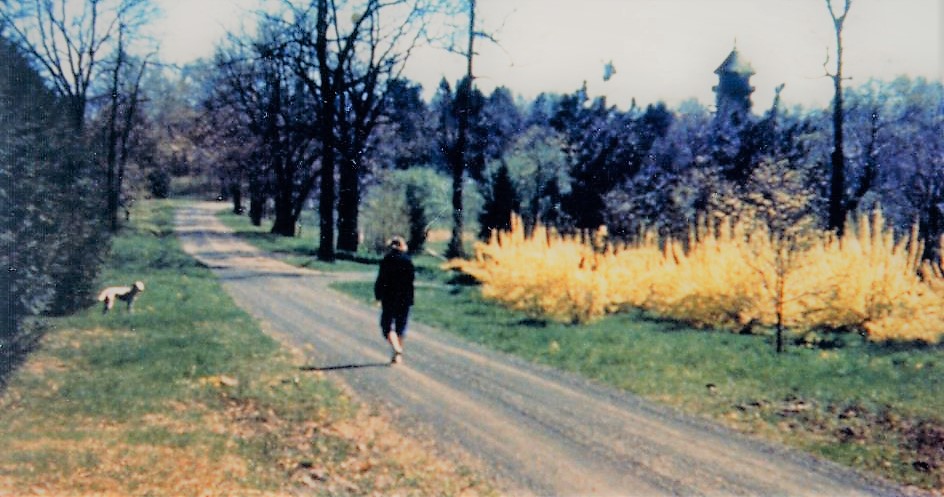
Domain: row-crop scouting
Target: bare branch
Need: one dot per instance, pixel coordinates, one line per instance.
(66, 39)
(826, 65)
(838, 20)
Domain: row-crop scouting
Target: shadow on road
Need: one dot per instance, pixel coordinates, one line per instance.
(230, 273)
(346, 366)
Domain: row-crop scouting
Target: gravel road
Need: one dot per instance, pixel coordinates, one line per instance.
(533, 430)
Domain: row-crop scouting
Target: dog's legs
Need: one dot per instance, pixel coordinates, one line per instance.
(106, 305)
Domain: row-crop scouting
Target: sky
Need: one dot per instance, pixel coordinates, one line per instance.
(662, 50)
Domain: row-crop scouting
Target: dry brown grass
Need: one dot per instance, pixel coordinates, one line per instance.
(217, 440)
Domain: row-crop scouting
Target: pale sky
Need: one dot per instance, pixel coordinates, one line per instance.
(661, 49)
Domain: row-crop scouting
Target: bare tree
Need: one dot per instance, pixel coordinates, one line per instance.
(348, 66)
(124, 93)
(259, 79)
(68, 39)
(457, 155)
(225, 140)
(837, 207)
(379, 56)
(327, 97)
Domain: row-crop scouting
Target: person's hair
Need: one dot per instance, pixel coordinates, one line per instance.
(397, 243)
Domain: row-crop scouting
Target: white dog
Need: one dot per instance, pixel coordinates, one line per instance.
(126, 293)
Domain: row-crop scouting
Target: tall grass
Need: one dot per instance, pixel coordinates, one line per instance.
(730, 276)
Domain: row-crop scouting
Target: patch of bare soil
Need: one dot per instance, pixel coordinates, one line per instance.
(889, 442)
(926, 441)
(361, 455)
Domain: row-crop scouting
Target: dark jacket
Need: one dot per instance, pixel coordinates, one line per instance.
(394, 285)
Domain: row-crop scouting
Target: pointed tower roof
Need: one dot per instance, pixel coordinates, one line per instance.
(735, 64)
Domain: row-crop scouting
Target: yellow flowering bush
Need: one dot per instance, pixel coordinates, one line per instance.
(544, 274)
(730, 276)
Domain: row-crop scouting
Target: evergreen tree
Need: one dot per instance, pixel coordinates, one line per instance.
(501, 202)
(418, 218)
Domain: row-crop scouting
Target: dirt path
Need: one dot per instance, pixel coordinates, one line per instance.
(534, 430)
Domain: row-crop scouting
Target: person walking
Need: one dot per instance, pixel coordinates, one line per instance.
(394, 290)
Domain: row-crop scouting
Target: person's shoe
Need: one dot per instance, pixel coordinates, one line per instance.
(397, 358)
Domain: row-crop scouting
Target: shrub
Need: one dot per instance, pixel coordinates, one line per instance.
(159, 183)
(409, 203)
(727, 277)
(52, 229)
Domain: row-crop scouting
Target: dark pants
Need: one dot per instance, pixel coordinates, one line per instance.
(395, 317)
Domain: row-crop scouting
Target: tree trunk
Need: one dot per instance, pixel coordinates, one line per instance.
(780, 296)
(285, 217)
(780, 347)
(285, 221)
(348, 202)
(837, 187)
(459, 155)
(76, 105)
(455, 242)
(932, 233)
(237, 194)
(112, 188)
(419, 224)
(326, 210)
(837, 211)
(125, 137)
(349, 194)
(256, 202)
(326, 131)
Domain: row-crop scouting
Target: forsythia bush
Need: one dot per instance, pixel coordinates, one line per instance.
(731, 277)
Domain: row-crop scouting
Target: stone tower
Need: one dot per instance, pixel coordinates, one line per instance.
(733, 92)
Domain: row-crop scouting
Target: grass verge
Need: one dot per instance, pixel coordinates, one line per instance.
(186, 396)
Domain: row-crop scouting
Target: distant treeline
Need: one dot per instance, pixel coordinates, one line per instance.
(576, 163)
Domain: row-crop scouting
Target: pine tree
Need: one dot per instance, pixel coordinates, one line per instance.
(501, 203)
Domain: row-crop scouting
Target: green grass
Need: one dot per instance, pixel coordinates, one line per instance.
(184, 396)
